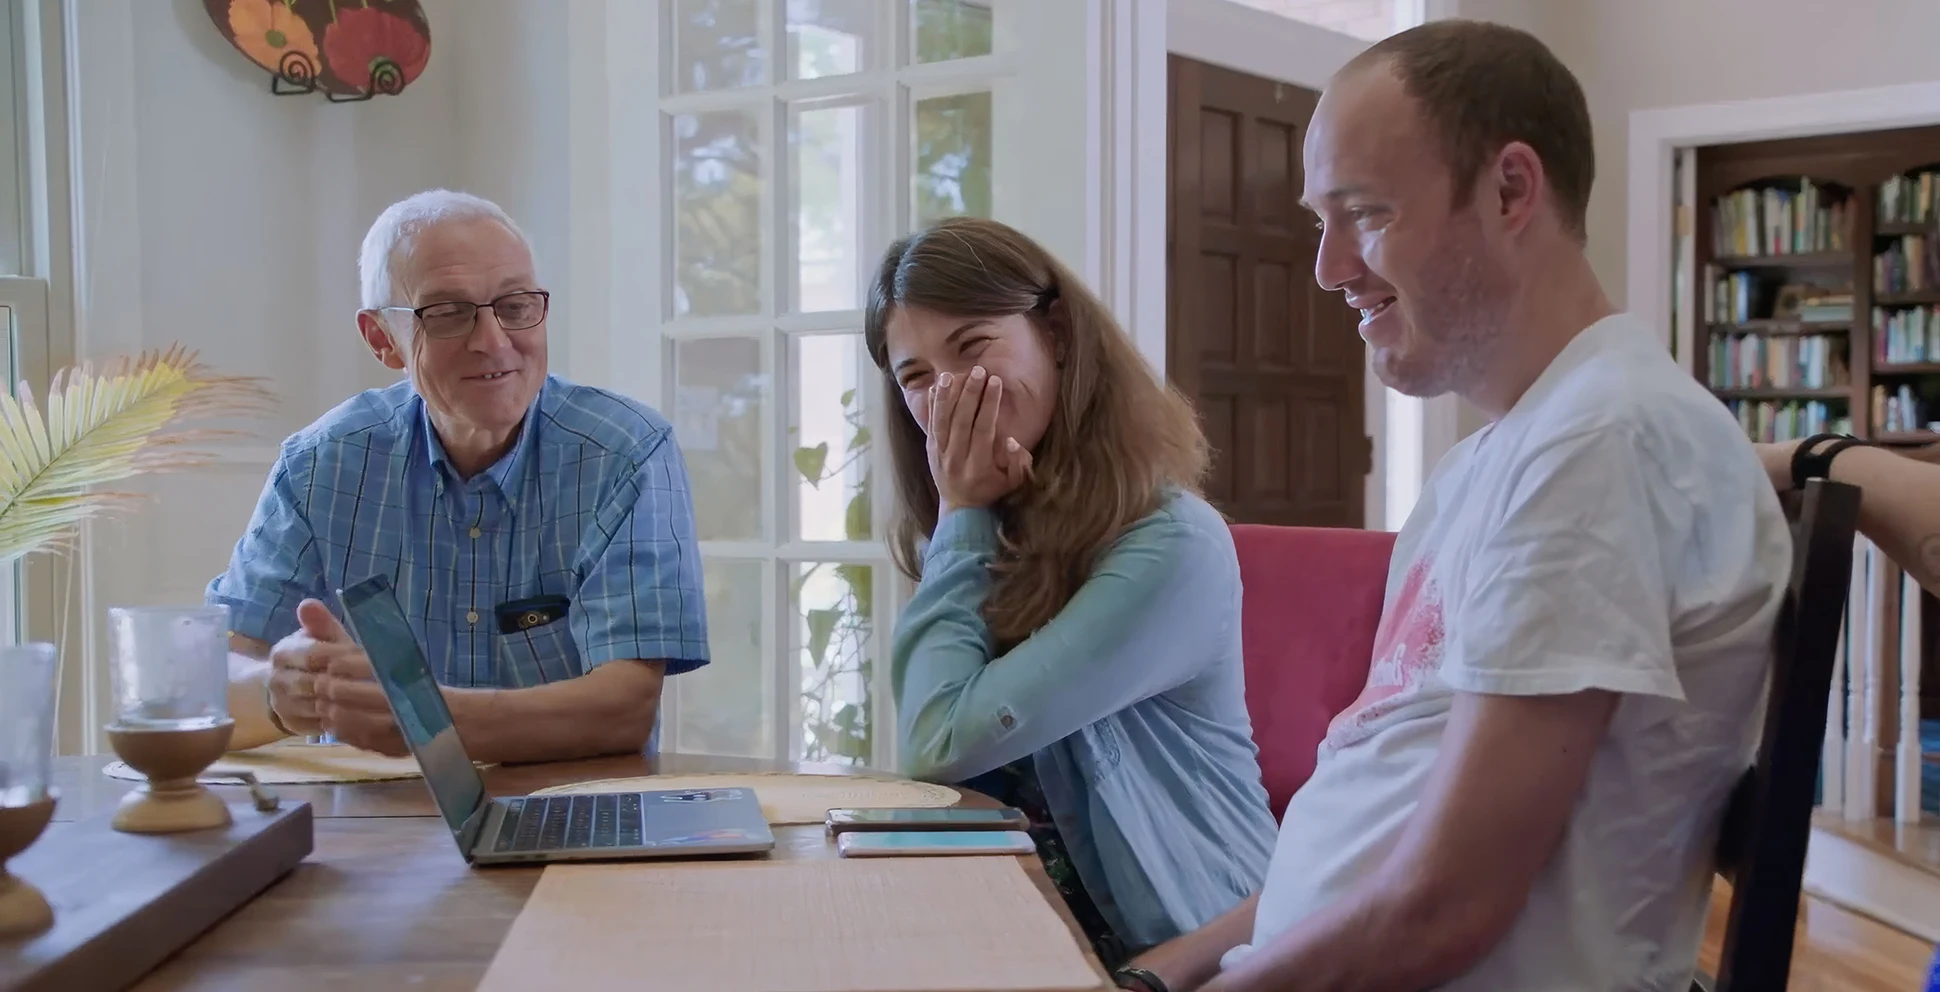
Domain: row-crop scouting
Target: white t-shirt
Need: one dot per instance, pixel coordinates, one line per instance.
(1614, 531)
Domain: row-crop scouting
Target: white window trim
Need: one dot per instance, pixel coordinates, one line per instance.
(52, 589)
(1132, 137)
(15, 203)
(25, 299)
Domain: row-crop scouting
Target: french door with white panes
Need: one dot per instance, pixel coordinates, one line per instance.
(782, 145)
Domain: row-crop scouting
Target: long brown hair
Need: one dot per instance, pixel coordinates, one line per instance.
(1117, 440)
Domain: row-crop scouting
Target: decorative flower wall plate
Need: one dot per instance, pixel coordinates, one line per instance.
(349, 49)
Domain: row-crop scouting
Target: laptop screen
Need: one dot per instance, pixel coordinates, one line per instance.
(375, 619)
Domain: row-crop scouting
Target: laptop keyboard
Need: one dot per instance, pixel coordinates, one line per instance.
(565, 823)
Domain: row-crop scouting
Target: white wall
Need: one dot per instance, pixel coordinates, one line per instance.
(1641, 54)
(1254, 41)
(509, 71)
(217, 215)
(225, 218)
(1723, 50)
(1368, 19)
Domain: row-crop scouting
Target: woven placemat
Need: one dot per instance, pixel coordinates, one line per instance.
(823, 925)
(288, 763)
(786, 798)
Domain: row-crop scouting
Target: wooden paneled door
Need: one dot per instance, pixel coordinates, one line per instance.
(1273, 363)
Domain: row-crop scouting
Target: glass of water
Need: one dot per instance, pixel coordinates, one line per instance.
(170, 667)
(27, 673)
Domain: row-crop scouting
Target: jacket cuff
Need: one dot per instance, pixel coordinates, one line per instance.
(970, 530)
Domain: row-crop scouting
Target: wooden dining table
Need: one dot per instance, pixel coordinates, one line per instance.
(384, 901)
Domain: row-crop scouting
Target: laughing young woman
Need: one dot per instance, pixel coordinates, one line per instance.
(1073, 644)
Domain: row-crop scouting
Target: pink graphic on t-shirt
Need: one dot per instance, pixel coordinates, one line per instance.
(1407, 646)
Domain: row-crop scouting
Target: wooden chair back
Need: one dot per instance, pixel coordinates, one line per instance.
(1769, 819)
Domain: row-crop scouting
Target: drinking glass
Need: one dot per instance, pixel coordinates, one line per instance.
(26, 721)
(170, 667)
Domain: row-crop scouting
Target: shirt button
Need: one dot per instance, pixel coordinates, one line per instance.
(475, 532)
(471, 617)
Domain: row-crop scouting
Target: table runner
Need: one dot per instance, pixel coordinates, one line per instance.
(296, 763)
(825, 925)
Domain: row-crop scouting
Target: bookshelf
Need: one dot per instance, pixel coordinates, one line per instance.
(1818, 291)
(1818, 266)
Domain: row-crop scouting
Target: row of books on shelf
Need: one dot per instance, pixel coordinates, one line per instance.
(1768, 420)
(1898, 411)
(1776, 221)
(1901, 409)
(1908, 265)
(1737, 297)
(1754, 361)
(1907, 199)
(1902, 337)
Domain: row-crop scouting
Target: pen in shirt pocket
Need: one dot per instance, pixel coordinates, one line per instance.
(526, 614)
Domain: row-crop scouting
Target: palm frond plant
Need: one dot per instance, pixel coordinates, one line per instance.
(101, 428)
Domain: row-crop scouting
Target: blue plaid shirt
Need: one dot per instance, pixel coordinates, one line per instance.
(591, 503)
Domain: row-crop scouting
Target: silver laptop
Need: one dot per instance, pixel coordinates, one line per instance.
(524, 829)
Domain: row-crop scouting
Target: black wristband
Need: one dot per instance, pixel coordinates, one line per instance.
(1810, 461)
(1139, 980)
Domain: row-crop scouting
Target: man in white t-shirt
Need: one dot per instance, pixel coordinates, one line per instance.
(1575, 642)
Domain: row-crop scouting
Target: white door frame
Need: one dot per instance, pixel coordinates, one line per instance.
(1657, 134)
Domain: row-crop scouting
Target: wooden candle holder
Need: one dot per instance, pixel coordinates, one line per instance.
(23, 910)
(171, 801)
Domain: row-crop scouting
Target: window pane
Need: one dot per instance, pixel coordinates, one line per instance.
(827, 201)
(720, 393)
(717, 214)
(717, 45)
(952, 171)
(831, 439)
(831, 37)
(727, 705)
(950, 29)
(833, 623)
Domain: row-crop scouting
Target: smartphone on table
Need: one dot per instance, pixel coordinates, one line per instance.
(842, 821)
(933, 843)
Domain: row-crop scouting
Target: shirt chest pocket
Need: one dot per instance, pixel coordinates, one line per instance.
(537, 655)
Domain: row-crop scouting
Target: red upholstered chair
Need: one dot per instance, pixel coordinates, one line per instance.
(1312, 603)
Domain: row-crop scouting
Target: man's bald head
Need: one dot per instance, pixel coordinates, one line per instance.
(1480, 86)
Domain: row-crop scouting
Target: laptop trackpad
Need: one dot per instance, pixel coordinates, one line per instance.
(699, 816)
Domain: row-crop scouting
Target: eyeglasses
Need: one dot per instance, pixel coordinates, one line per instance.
(515, 312)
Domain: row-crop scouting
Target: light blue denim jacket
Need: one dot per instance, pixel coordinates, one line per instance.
(1132, 700)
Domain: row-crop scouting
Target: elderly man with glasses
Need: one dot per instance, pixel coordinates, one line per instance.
(539, 534)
